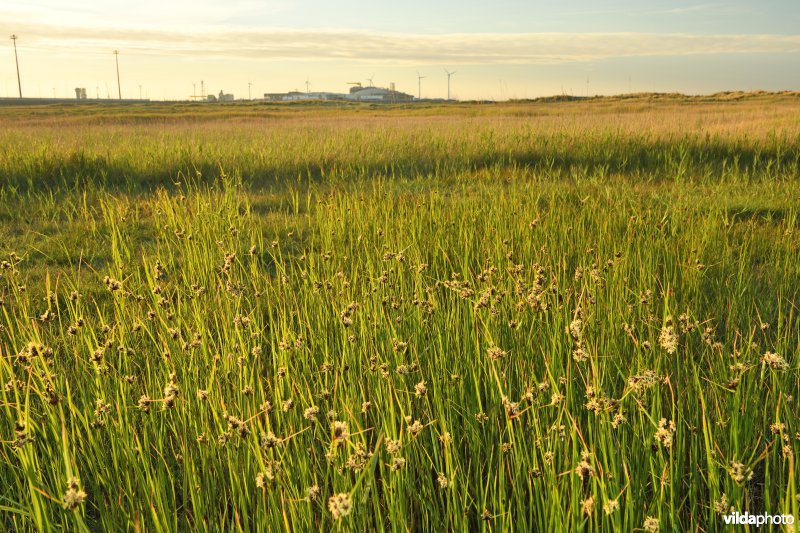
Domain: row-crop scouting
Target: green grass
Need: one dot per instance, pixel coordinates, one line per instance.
(579, 318)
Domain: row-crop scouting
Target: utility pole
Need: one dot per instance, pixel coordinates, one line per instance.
(16, 59)
(119, 87)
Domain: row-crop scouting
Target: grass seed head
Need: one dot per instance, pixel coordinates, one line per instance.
(311, 413)
(774, 361)
(584, 470)
(269, 440)
(340, 431)
(144, 403)
(74, 495)
(397, 464)
(340, 505)
(668, 339)
(495, 353)
(722, 506)
(587, 506)
(415, 428)
(739, 472)
(610, 506)
(393, 446)
(665, 432)
(650, 524)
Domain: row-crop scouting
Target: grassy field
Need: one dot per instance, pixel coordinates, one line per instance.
(527, 316)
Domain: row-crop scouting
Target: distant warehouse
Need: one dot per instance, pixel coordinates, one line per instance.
(222, 97)
(297, 95)
(378, 94)
(359, 94)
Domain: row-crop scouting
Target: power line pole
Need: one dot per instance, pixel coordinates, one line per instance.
(16, 59)
(119, 87)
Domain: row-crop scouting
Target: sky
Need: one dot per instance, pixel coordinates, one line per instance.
(497, 50)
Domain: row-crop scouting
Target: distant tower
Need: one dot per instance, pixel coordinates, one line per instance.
(16, 60)
(448, 82)
(119, 87)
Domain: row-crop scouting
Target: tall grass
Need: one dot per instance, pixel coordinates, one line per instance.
(462, 346)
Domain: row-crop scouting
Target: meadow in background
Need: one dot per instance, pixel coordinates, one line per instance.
(523, 316)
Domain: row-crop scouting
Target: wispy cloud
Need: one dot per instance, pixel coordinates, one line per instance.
(144, 13)
(690, 9)
(396, 48)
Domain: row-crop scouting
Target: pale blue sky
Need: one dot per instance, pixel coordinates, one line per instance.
(500, 49)
(734, 16)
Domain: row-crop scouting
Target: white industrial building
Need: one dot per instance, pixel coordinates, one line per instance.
(357, 93)
(378, 94)
(297, 95)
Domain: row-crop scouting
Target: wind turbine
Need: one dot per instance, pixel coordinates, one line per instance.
(249, 96)
(419, 85)
(307, 84)
(448, 81)
(370, 80)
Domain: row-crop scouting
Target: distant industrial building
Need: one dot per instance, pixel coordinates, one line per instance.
(297, 95)
(357, 93)
(378, 94)
(80, 93)
(221, 97)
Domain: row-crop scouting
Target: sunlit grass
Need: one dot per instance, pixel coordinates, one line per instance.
(453, 322)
